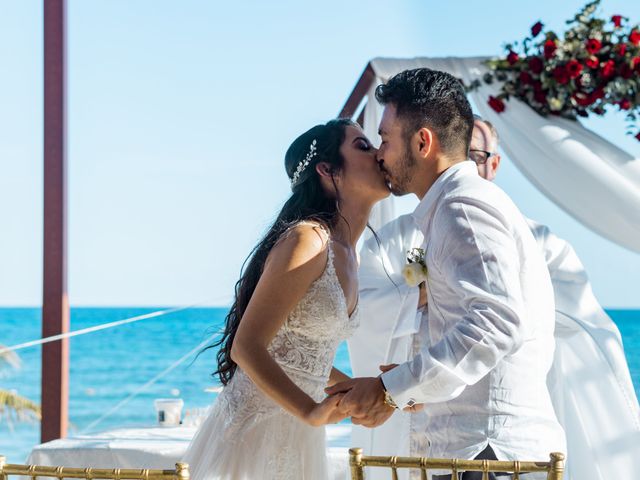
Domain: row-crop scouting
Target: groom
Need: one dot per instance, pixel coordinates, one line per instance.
(482, 371)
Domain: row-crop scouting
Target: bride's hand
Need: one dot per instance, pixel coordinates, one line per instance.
(327, 411)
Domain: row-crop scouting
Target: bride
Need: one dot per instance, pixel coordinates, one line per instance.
(294, 303)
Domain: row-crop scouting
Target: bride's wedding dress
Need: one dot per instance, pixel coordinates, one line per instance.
(247, 436)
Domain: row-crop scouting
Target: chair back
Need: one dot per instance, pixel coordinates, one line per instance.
(357, 462)
(181, 472)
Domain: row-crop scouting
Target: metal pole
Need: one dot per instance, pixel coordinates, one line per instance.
(55, 305)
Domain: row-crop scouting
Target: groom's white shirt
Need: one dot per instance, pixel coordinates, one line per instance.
(482, 373)
(589, 366)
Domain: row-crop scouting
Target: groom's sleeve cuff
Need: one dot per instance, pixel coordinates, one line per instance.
(421, 380)
(399, 383)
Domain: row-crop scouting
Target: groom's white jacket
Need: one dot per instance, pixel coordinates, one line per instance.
(589, 366)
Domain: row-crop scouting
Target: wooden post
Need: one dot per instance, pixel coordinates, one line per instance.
(55, 306)
(359, 91)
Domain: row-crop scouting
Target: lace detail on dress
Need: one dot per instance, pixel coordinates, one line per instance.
(308, 340)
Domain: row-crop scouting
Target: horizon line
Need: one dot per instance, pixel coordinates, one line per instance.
(160, 306)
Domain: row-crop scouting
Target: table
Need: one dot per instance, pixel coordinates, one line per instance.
(154, 447)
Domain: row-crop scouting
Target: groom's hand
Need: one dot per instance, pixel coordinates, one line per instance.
(386, 368)
(364, 400)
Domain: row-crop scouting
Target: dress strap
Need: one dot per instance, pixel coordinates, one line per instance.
(330, 266)
(314, 223)
(323, 228)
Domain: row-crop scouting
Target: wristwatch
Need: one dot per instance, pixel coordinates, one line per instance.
(387, 397)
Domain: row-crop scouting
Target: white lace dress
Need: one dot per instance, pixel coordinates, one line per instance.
(247, 436)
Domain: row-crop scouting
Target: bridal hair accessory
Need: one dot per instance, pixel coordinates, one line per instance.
(304, 163)
(415, 271)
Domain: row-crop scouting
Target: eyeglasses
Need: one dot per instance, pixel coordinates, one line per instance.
(480, 156)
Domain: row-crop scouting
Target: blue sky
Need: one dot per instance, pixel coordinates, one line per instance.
(179, 117)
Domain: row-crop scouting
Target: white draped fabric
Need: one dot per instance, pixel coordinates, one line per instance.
(590, 178)
(589, 381)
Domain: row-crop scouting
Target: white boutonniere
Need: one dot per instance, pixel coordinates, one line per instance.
(415, 271)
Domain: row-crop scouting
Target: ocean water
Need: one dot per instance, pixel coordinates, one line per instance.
(109, 366)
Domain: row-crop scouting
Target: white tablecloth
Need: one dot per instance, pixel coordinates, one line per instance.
(156, 447)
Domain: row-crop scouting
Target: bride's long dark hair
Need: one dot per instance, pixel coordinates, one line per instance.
(308, 201)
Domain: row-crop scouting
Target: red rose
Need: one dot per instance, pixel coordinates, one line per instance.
(540, 96)
(561, 75)
(608, 69)
(497, 104)
(550, 48)
(597, 94)
(512, 58)
(617, 20)
(592, 62)
(525, 78)
(622, 49)
(626, 71)
(574, 68)
(537, 86)
(635, 64)
(638, 136)
(625, 104)
(634, 37)
(536, 29)
(583, 99)
(593, 46)
(536, 65)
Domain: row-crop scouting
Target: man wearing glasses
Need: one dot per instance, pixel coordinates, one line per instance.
(395, 329)
(484, 148)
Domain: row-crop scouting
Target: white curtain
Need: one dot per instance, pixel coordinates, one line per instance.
(590, 178)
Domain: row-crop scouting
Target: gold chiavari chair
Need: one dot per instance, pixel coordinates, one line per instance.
(181, 472)
(357, 461)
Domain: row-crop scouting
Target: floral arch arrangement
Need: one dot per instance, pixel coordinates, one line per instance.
(595, 66)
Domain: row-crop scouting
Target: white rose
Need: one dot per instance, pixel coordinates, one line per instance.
(555, 104)
(414, 274)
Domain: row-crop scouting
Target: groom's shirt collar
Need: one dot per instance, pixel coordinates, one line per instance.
(424, 210)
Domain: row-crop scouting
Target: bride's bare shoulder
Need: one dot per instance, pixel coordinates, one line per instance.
(304, 244)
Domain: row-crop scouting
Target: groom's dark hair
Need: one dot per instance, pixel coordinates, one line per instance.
(432, 99)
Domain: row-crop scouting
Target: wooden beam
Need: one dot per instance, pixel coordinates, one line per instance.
(55, 305)
(359, 91)
(361, 118)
